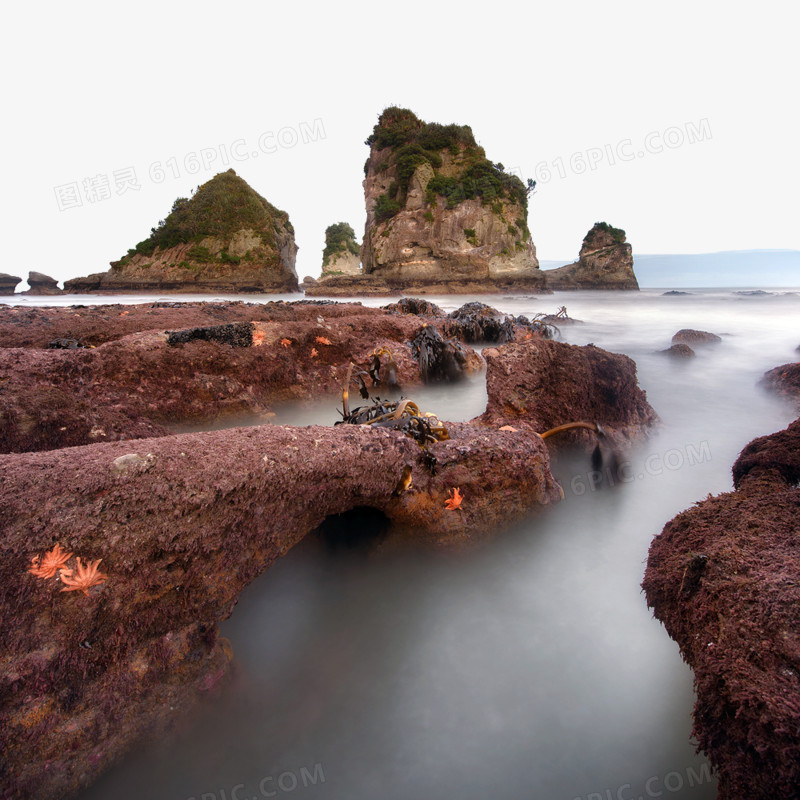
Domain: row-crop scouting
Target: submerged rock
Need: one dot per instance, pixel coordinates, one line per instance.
(679, 350)
(784, 380)
(689, 336)
(674, 293)
(604, 262)
(225, 238)
(721, 577)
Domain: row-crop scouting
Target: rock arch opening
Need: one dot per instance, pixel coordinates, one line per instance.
(359, 529)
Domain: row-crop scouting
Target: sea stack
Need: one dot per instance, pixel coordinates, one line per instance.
(341, 253)
(8, 283)
(441, 217)
(439, 211)
(41, 284)
(604, 262)
(225, 238)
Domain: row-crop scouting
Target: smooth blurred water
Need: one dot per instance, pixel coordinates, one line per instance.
(529, 667)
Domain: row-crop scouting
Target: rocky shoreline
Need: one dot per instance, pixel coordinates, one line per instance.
(722, 578)
(183, 522)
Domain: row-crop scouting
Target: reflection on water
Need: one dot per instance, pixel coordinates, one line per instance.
(528, 668)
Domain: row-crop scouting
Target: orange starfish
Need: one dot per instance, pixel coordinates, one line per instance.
(314, 352)
(322, 340)
(454, 501)
(286, 342)
(51, 562)
(85, 577)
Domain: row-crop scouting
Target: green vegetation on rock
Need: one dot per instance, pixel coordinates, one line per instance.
(413, 142)
(386, 207)
(218, 208)
(339, 238)
(617, 234)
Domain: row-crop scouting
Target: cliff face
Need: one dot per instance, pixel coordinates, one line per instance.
(437, 209)
(226, 237)
(440, 215)
(605, 262)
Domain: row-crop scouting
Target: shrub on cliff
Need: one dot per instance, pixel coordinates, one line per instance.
(385, 208)
(617, 234)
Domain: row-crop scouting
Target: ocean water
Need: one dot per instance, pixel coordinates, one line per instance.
(529, 667)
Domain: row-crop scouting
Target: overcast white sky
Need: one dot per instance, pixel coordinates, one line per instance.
(687, 112)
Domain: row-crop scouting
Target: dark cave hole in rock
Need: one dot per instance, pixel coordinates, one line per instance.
(359, 529)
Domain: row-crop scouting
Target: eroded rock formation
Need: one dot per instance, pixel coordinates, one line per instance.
(722, 577)
(341, 255)
(182, 523)
(542, 384)
(604, 262)
(141, 383)
(690, 336)
(8, 283)
(440, 216)
(679, 350)
(784, 380)
(41, 284)
(225, 238)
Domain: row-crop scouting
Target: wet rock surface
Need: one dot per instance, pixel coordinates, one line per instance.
(784, 380)
(142, 383)
(689, 336)
(182, 524)
(679, 350)
(543, 384)
(722, 577)
(96, 324)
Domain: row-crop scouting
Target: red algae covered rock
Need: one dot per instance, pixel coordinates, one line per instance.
(679, 350)
(93, 325)
(784, 380)
(722, 577)
(141, 383)
(181, 524)
(544, 384)
(689, 336)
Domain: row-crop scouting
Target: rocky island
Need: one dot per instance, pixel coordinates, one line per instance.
(225, 238)
(604, 262)
(441, 217)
